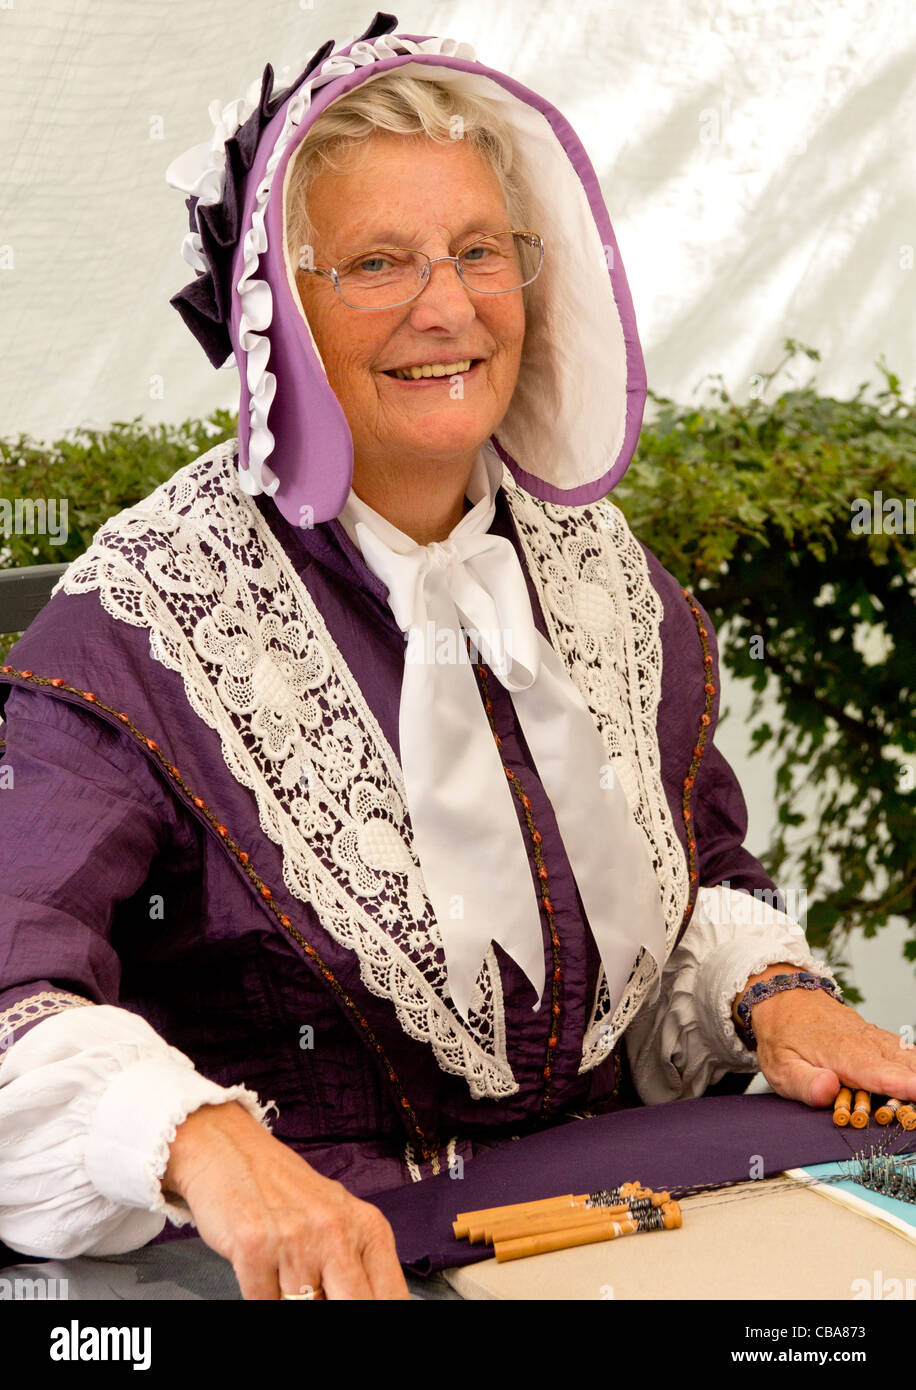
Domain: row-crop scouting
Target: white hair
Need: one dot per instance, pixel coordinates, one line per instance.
(407, 106)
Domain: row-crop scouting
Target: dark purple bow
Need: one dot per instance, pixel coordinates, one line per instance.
(204, 304)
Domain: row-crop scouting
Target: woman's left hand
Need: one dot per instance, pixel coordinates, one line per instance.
(809, 1045)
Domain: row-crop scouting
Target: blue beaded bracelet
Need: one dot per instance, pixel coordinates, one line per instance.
(765, 989)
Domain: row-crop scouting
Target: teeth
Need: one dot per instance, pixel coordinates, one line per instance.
(433, 369)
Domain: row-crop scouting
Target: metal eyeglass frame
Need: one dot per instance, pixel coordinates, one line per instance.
(333, 275)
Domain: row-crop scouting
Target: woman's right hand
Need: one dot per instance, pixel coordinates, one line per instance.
(283, 1226)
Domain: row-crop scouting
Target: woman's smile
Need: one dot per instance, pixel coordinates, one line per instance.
(436, 373)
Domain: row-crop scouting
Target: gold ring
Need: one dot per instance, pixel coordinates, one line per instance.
(310, 1294)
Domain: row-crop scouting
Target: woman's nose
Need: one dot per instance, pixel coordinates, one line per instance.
(445, 301)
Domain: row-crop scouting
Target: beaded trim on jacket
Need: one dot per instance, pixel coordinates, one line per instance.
(189, 562)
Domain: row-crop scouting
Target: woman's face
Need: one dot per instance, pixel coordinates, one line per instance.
(406, 191)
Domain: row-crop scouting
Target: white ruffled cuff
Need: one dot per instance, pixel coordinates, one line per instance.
(90, 1099)
(686, 1041)
(134, 1124)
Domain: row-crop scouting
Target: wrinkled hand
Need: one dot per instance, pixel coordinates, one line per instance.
(283, 1226)
(809, 1045)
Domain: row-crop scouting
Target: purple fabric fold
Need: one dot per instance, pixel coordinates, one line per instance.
(711, 1140)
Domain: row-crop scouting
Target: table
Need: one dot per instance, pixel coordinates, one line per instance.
(787, 1242)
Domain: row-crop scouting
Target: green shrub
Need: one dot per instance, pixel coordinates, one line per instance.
(752, 505)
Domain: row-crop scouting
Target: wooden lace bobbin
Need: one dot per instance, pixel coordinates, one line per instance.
(578, 1217)
(465, 1219)
(861, 1110)
(842, 1106)
(668, 1217)
(886, 1112)
(907, 1116)
(511, 1224)
(547, 1221)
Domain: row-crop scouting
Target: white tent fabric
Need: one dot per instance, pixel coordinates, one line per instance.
(756, 159)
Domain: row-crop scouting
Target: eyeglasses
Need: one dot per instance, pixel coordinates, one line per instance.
(387, 276)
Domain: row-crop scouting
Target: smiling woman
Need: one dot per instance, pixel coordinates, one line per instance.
(423, 904)
(402, 163)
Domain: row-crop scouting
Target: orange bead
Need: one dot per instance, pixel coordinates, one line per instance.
(285, 920)
(705, 719)
(702, 631)
(243, 857)
(152, 744)
(87, 694)
(199, 802)
(6, 669)
(536, 836)
(548, 905)
(125, 718)
(547, 1073)
(688, 781)
(556, 1010)
(510, 774)
(542, 874)
(57, 681)
(552, 1042)
(265, 892)
(28, 673)
(710, 689)
(221, 830)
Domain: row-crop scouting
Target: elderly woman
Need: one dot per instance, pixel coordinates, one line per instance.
(364, 772)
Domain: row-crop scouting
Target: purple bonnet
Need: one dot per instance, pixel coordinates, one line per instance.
(574, 419)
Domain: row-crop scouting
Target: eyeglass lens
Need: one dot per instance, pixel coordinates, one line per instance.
(386, 276)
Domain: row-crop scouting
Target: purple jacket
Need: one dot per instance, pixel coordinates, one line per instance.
(130, 884)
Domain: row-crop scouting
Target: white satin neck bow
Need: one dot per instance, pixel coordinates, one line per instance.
(467, 835)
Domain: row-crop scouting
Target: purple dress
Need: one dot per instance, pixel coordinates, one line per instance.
(135, 872)
(162, 848)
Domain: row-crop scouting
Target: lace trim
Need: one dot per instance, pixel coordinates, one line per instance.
(35, 1007)
(196, 564)
(414, 1168)
(604, 617)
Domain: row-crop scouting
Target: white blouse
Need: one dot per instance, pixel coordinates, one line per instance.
(90, 1098)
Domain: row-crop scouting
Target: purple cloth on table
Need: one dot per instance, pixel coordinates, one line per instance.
(710, 1140)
